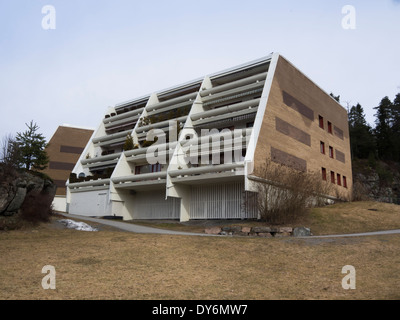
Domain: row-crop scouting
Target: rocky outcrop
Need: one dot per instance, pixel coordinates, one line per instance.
(262, 231)
(15, 186)
(371, 187)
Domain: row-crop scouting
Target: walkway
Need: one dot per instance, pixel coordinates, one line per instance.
(130, 227)
(142, 229)
(374, 233)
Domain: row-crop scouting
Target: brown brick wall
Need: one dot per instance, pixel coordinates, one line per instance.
(297, 102)
(64, 150)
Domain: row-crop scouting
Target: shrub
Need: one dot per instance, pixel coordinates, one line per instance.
(37, 207)
(284, 193)
(360, 192)
(129, 144)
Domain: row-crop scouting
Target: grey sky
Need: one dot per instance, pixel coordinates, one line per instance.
(106, 52)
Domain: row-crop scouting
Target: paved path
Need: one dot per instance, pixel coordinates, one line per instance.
(374, 233)
(130, 227)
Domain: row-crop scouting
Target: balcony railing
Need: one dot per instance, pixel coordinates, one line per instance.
(231, 169)
(225, 116)
(89, 185)
(115, 138)
(226, 110)
(234, 84)
(124, 122)
(122, 117)
(107, 159)
(140, 179)
(139, 155)
(234, 94)
(175, 101)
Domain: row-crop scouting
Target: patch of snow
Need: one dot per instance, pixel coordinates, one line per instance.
(81, 226)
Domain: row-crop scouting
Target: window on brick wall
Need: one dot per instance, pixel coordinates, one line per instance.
(321, 121)
(324, 174)
(332, 177)
(344, 182)
(322, 147)
(331, 152)
(330, 127)
(338, 180)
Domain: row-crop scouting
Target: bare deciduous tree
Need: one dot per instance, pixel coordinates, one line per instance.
(284, 193)
(9, 151)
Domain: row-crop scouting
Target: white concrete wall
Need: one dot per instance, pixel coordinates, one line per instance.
(60, 203)
(90, 203)
(153, 205)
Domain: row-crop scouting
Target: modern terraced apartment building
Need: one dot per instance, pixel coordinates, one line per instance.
(191, 151)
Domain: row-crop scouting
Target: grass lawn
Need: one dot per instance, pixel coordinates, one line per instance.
(112, 264)
(340, 218)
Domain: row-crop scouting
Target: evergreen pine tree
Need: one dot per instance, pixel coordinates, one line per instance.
(383, 132)
(31, 146)
(395, 127)
(362, 142)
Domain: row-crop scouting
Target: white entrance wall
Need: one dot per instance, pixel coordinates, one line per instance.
(90, 203)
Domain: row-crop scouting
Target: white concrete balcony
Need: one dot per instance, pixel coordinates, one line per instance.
(208, 173)
(142, 131)
(209, 117)
(111, 139)
(102, 161)
(122, 120)
(154, 112)
(216, 136)
(243, 92)
(175, 102)
(144, 181)
(92, 185)
(226, 110)
(234, 84)
(229, 144)
(140, 155)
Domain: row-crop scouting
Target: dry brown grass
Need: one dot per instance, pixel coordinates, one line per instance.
(353, 217)
(120, 265)
(340, 218)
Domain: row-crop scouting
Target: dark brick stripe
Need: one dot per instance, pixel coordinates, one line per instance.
(69, 149)
(293, 132)
(297, 105)
(289, 160)
(61, 165)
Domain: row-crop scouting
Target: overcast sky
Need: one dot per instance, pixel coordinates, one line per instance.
(102, 53)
